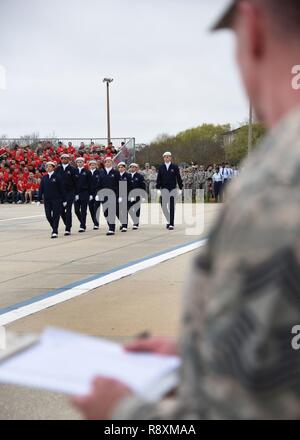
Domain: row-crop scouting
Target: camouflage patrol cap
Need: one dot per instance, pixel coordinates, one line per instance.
(225, 21)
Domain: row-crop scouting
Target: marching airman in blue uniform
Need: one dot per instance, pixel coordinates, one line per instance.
(109, 181)
(52, 191)
(67, 175)
(84, 192)
(138, 193)
(124, 190)
(167, 180)
(94, 204)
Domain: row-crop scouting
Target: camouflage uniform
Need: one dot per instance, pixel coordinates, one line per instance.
(152, 181)
(243, 299)
(208, 175)
(201, 179)
(189, 179)
(184, 178)
(146, 173)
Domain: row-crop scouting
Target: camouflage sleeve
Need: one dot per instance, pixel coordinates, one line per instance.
(240, 307)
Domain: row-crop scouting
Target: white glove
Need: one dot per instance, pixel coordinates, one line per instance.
(97, 198)
(180, 192)
(143, 200)
(159, 192)
(120, 200)
(38, 203)
(76, 198)
(132, 199)
(91, 198)
(65, 204)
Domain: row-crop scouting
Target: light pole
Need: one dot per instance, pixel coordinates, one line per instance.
(250, 132)
(108, 81)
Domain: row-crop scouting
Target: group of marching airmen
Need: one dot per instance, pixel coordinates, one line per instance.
(120, 192)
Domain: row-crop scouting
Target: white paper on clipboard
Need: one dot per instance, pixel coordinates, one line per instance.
(67, 362)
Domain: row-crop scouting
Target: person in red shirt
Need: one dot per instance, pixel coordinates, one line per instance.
(3, 186)
(60, 149)
(20, 192)
(71, 149)
(30, 188)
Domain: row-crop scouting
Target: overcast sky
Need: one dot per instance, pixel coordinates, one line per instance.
(170, 72)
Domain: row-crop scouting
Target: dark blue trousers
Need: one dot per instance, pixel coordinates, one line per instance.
(53, 210)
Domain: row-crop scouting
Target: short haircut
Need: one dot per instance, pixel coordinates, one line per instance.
(284, 15)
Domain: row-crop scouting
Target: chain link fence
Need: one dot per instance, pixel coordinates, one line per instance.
(124, 146)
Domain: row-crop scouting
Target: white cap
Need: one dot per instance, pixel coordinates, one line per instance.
(133, 165)
(80, 159)
(122, 164)
(92, 162)
(50, 163)
(65, 156)
(167, 154)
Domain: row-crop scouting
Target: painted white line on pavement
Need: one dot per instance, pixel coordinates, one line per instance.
(102, 280)
(21, 218)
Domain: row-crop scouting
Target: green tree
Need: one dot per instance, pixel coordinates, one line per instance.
(202, 145)
(237, 150)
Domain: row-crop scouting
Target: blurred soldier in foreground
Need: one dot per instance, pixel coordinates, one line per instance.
(243, 296)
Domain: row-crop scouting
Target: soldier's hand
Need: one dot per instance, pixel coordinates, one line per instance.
(65, 204)
(76, 198)
(91, 198)
(100, 403)
(158, 345)
(38, 203)
(97, 198)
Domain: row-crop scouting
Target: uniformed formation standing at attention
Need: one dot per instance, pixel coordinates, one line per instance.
(120, 193)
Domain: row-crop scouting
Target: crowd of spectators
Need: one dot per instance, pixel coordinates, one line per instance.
(21, 168)
(211, 179)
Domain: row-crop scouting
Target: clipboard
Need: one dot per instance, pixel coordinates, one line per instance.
(36, 362)
(17, 343)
